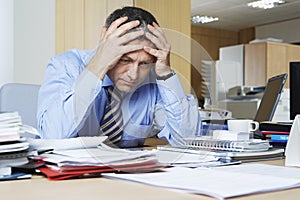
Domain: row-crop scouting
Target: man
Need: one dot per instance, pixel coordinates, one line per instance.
(124, 89)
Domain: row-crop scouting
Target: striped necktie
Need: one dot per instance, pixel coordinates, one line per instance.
(112, 122)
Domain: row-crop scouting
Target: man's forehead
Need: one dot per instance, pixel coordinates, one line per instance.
(144, 42)
(141, 55)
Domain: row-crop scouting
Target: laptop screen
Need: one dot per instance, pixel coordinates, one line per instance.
(270, 98)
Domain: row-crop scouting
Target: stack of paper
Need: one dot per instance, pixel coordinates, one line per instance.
(10, 123)
(63, 164)
(185, 159)
(228, 156)
(13, 148)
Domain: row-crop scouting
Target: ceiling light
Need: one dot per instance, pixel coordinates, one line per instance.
(266, 4)
(203, 19)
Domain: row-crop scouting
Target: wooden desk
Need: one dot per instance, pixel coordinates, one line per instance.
(41, 188)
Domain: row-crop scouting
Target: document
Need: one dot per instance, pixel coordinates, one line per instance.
(95, 156)
(185, 159)
(221, 182)
(65, 144)
(173, 158)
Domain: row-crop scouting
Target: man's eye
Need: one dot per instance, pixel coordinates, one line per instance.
(146, 65)
(124, 61)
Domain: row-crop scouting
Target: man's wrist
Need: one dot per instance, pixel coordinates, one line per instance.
(165, 77)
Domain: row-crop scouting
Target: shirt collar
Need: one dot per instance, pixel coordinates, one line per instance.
(107, 82)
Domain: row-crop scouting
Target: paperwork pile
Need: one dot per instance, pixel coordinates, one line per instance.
(237, 150)
(93, 160)
(13, 148)
(10, 123)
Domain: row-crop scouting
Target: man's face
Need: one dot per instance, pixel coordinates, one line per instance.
(132, 68)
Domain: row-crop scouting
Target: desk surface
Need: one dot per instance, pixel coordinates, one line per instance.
(101, 188)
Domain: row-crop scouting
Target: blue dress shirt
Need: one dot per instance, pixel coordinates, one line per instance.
(72, 100)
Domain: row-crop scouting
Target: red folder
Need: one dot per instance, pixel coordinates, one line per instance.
(92, 171)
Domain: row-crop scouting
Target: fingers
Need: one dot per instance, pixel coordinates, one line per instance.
(126, 27)
(115, 30)
(116, 24)
(124, 39)
(157, 28)
(151, 51)
(162, 53)
(154, 52)
(157, 36)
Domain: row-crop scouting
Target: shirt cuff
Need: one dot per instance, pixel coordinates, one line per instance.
(171, 89)
(87, 86)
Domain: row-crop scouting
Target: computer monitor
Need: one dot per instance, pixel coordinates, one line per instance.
(270, 98)
(294, 89)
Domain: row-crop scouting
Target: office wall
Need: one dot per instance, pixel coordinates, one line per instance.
(34, 39)
(6, 41)
(212, 39)
(78, 23)
(288, 31)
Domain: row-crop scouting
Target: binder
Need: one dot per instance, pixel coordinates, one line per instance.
(275, 126)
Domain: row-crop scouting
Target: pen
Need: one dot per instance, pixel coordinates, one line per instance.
(15, 176)
(41, 151)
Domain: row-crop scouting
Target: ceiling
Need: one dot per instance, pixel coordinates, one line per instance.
(236, 15)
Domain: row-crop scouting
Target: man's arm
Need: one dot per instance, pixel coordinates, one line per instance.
(66, 96)
(178, 116)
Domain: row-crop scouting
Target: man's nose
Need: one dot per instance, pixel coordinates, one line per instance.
(133, 71)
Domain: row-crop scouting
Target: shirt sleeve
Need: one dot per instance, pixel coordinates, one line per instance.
(176, 115)
(64, 98)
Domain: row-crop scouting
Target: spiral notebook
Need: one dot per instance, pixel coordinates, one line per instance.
(227, 145)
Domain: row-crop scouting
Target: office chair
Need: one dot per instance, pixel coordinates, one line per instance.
(22, 98)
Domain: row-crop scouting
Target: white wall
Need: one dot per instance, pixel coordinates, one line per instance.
(6, 41)
(288, 31)
(34, 39)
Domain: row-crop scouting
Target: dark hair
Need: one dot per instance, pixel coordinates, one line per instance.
(133, 13)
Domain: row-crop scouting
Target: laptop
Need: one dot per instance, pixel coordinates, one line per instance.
(266, 109)
(270, 98)
(268, 104)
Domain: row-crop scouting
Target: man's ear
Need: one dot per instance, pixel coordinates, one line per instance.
(103, 32)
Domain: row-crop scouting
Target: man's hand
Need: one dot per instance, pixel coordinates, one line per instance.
(113, 44)
(162, 53)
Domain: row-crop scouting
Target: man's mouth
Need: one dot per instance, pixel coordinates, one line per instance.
(129, 83)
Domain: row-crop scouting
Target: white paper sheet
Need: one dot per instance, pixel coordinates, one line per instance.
(170, 157)
(218, 183)
(64, 144)
(97, 156)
